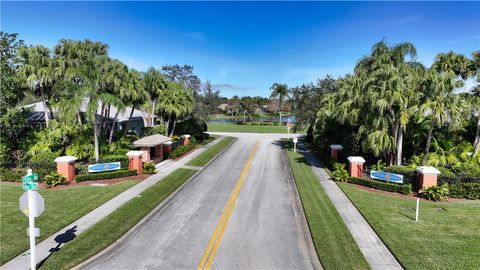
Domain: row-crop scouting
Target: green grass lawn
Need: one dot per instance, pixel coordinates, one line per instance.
(62, 207)
(447, 235)
(334, 244)
(112, 227)
(229, 127)
(211, 152)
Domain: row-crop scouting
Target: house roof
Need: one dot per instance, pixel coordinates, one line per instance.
(123, 116)
(151, 141)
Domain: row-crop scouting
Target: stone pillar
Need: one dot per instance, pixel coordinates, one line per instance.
(427, 176)
(336, 148)
(135, 161)
(356, 166)
(146, 154)
(159, 152)
(167, 147)
(66, 167)
(185, 139)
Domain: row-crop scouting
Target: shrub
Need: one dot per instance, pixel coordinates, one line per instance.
(435, 193)
(149, 168)
(159, 129)
(409, 174)
(55, 179)
(12, 175)
(404, 189)
(104, 175)
(339, 172)
(47, 158)
(465, 190)
(116, 158)
(192, 126)
(180, 150)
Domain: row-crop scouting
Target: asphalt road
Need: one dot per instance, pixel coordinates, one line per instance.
(262, 232)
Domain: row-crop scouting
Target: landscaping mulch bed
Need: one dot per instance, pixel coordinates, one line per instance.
(87, 183)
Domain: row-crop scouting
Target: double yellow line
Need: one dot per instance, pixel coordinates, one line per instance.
(214, 242)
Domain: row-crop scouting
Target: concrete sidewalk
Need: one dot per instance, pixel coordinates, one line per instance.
(373, 249)
(56, 241)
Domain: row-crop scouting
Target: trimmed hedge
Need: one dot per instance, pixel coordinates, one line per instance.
(404, 189)
(409, 174)
(465, 190)
(104, 175)
(116, 158)
(180, 150)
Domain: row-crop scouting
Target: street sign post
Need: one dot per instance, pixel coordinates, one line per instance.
(295, 140)
(32, 205)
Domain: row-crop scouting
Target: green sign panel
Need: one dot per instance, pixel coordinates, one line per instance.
(30, 178)
(30, 186)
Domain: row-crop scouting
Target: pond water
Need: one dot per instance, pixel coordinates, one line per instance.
(290, 119)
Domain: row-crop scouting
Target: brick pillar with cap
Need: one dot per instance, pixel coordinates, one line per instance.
(185, 139)
(66, 167)
(167, 147)
(335, 151)
(427, 176)
(135, 161)
(356, 166)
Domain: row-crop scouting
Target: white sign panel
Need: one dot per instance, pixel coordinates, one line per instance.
(38, 205)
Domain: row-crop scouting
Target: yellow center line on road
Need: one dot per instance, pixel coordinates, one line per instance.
(214, 242)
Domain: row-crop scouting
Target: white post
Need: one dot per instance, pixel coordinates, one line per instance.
(416, 211)
(295, 145)
(31, 223)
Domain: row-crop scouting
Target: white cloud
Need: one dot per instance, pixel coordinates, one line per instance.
(469, 84)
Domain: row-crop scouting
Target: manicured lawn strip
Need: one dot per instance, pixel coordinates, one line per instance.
(62, 207)
(229, 127)
(211, 152)
(447, 235)
(334, 244)
(112, 227)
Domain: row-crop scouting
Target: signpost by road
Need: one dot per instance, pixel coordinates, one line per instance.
(295, 140)
(32, 205)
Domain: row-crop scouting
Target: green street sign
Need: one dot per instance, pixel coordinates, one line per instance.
(30, 186)
(30, 178)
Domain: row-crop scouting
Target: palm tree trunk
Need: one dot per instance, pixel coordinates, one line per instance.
(280, 109)
(476, 144)
(79, 116)
(427, 145)
(95, 137)
(399, 147)
(127, 125)
(113, 127)
(45, 110)
(173, 128)
(244, 119)
(153, 113)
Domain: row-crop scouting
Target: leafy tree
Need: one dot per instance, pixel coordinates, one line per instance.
(183, 75)
(155, 85)
(282, 92)
(176, 102)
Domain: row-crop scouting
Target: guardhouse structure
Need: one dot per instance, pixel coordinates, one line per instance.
(152, 147)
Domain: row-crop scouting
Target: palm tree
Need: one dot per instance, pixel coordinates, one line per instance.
(175, 102)
(37, 67)
(154, 85)
(439, 105)
(86, 63)
(282, 92)
(135, 94)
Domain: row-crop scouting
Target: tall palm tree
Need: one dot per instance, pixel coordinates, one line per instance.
(155, 84)
(135, 94)
(439, 105)
(176, 101)
(38, 68)
(85, 63)
(282, 92)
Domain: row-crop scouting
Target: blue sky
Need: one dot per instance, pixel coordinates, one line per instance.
(244, 47)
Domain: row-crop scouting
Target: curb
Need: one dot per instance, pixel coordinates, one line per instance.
(301, 218)
(158, 209)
